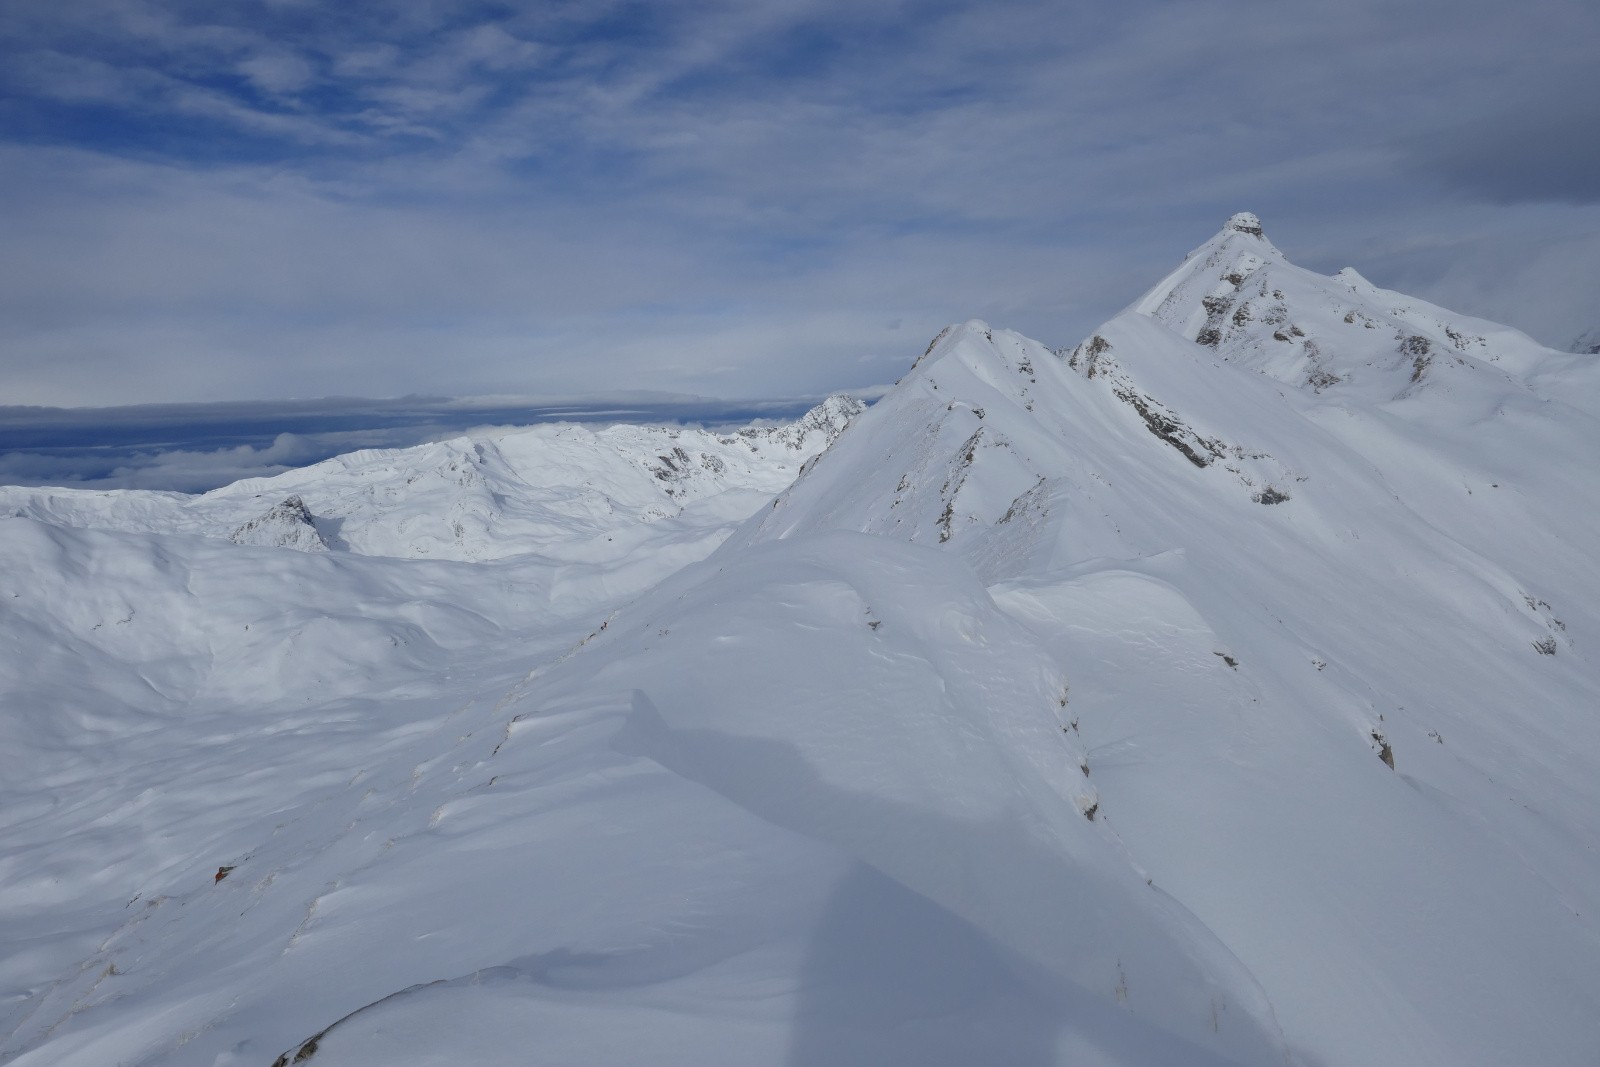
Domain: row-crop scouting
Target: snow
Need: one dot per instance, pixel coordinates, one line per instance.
(560, 490)
(1176, 697)
(288, 524)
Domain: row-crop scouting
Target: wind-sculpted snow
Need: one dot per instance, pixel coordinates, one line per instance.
(911, 723)
(173, 700)
(1186, 695)
(1338, 722)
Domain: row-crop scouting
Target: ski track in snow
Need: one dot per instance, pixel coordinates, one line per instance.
(1214, 691)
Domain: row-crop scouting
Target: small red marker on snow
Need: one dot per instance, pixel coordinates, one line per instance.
(222, 872)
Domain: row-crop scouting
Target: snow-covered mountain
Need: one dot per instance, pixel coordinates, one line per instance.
(1321, 637)
(563, 490)
(1215, 690)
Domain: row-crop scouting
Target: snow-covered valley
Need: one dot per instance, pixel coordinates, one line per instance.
(1216, 690)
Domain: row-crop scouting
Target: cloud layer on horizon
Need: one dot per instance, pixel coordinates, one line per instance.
(223, 201)
(191, 448)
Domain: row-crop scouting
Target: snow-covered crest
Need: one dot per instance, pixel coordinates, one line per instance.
(1237, 294)
(1152, 474)
(1143, 702)
(565, 490)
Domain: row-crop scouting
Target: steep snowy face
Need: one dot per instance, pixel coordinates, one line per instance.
(1238, 295)
(1323, 648)
(1239, 250)
(904, 476)
(989, 427)
(1587, 343)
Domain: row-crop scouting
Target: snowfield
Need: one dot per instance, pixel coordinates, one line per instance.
(1214, 691)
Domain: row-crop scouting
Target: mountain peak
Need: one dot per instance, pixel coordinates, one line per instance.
(1241, 297)
(1586, 343)
(285, 525)
(1244, 222)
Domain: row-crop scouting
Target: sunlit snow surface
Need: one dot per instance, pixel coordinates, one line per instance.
(1188, 696)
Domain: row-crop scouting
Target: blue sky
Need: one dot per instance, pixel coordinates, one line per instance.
(233, 201)
(193, 447)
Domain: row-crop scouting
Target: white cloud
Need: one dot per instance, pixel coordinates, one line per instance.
(278, 72)
(729, 197)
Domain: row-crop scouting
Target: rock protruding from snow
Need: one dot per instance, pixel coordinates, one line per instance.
(1245, 222)
(982, 440)
(1587, 343)
(285, 525)
(829, 418)
(1189, 300)
(698, 462)
(1237, 295)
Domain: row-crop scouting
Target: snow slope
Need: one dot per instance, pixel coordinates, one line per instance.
(1264, 592)
(1187, 696)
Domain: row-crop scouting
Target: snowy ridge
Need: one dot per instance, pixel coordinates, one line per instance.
(563, 490)
(1239, 295)
(1142, 702)
(1163, 511)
